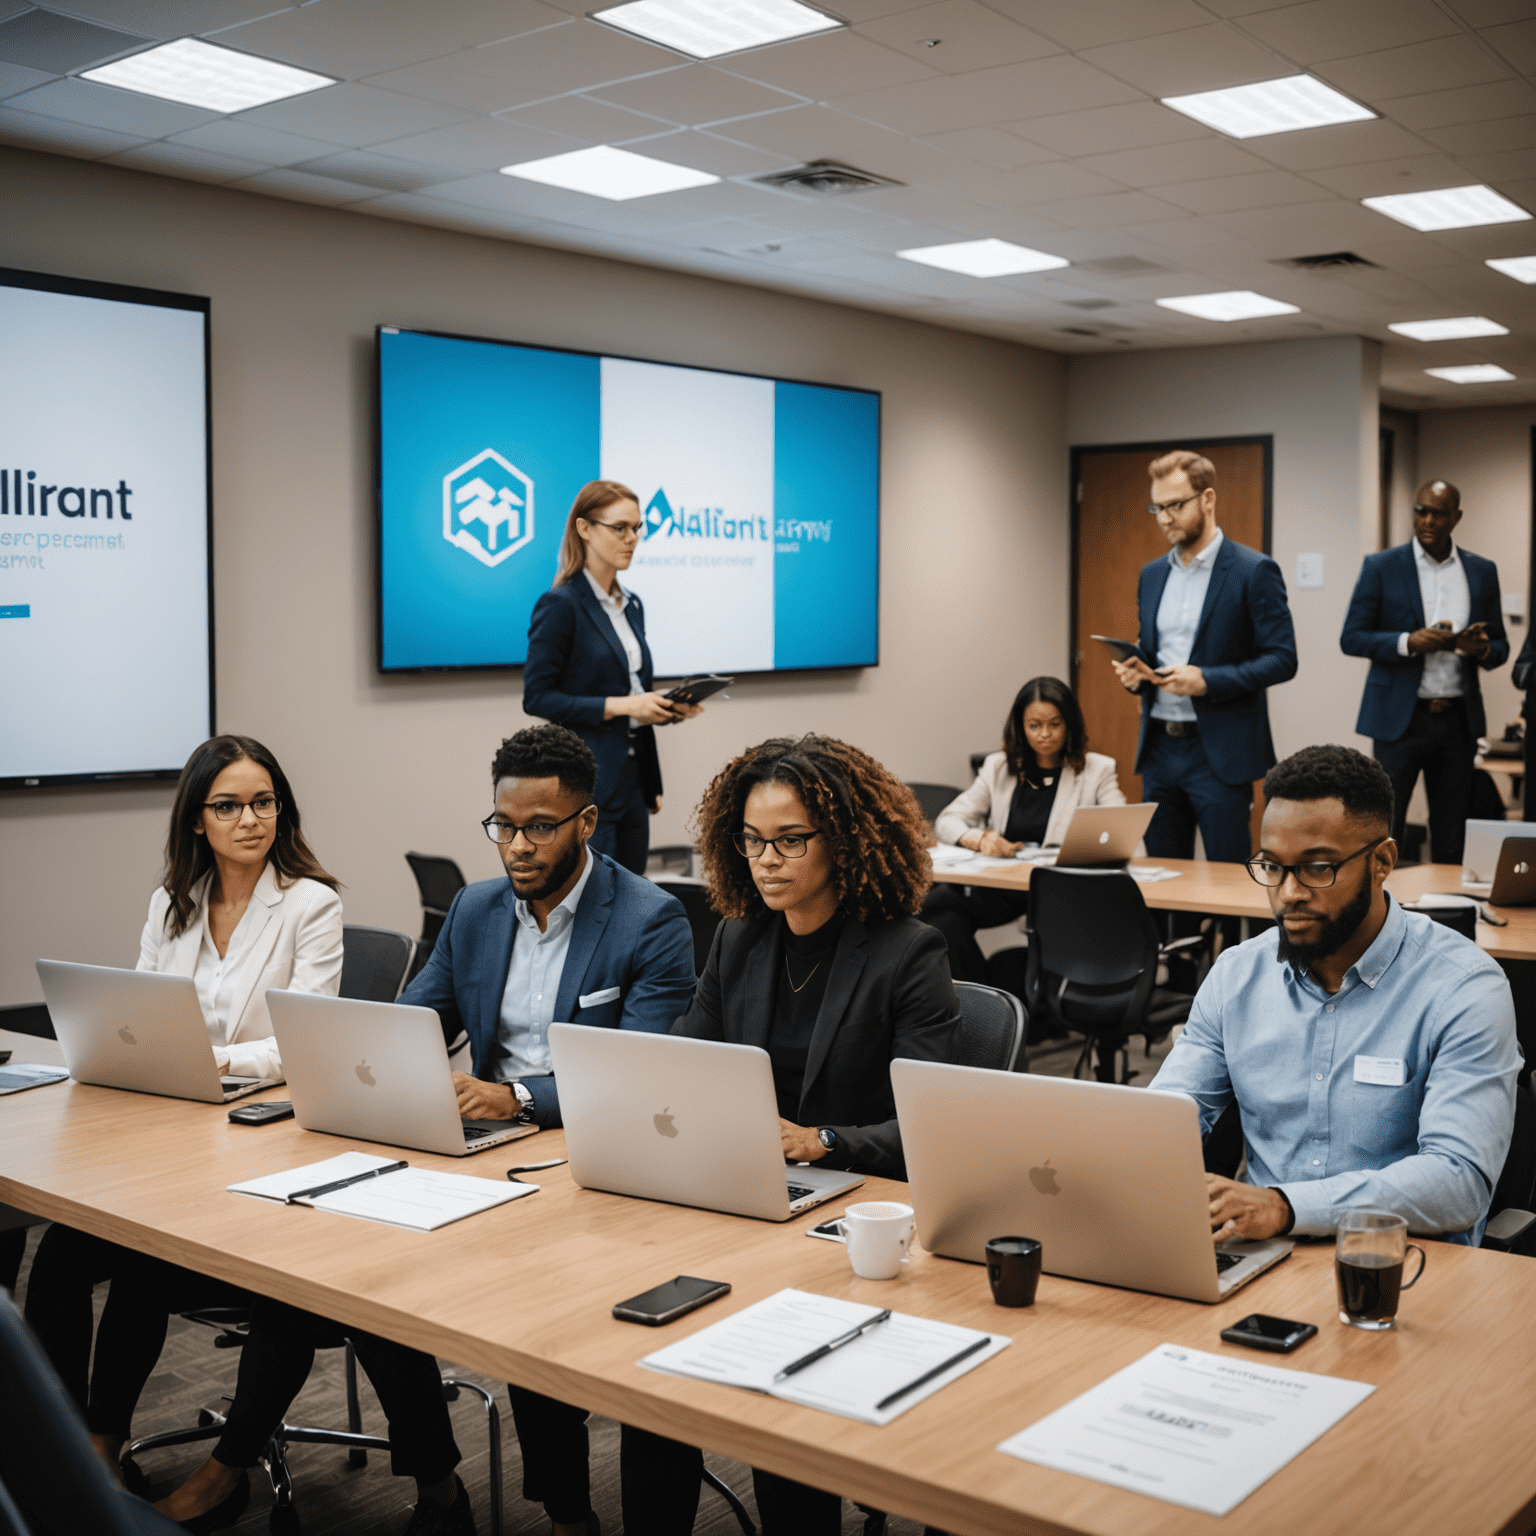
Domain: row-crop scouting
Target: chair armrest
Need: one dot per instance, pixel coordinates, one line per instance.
(1194, 941)
(1510, 1231)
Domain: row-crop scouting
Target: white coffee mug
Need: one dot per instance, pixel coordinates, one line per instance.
(878, 1234)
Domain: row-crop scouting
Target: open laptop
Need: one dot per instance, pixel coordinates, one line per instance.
(1480, 854)
(691, 1122)
(376, 1072)
(1109, 1179)
(1103, 835)
(1514, 881)
(138, 1030)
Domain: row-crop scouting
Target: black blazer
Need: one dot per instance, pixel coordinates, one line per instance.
(574, 663)
(888, 995)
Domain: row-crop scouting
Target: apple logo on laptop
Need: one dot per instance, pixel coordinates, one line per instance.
(1103, 837)
(664, 1125)
(363, 1074)
(1044, 1179)
(127, 1036)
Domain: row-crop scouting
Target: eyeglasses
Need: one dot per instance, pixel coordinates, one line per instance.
(792, 845)
(265, 806)
(624, 530)
(539, 833)
(1154, 507)
(1316, 876)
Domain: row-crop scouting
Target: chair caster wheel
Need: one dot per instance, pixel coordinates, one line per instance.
(357, 1458)
(284, 1520)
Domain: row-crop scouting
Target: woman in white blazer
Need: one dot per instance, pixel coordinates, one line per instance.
(1024, 794)
(244, 905)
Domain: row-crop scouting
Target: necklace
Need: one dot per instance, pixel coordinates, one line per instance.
(789, 975)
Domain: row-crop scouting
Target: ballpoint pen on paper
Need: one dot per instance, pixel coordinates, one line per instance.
(512, 1173)
(329, 1189)
(927, 1376)
(823, 1350)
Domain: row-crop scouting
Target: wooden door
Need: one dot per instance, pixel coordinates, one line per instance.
(1115, 537)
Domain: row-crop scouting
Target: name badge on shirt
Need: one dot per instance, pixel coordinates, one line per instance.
(609, 994)
(1385, 1071)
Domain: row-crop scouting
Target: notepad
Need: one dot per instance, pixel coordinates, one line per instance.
(419, 1199)
(746, 1350)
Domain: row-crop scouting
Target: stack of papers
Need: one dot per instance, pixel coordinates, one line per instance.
(1150, 874)
(415, 1198)
(747, 1350)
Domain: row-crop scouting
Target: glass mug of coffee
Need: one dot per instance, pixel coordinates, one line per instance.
(1368, 1261)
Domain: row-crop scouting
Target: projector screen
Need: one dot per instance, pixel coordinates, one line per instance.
(106, 639)
(761, 500)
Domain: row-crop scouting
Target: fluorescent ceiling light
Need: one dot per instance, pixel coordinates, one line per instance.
(709, 29)
(1449, 330)
(616, 174)
(1472, 373)
(1243, 304)
(1521, 268)
(1271, 106)
(984, 258)
(1449, 208)
(201, 74)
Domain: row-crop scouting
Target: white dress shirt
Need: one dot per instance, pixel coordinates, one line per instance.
(1178, 617)
(1444, 592)
(533, 985)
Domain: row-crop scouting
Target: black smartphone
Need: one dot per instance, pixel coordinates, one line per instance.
(664, 1303)
(1277, 1334)
(832, 1231)
(261, 1114)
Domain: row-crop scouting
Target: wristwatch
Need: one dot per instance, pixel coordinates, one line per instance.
(827, 1138)
(524, 1103)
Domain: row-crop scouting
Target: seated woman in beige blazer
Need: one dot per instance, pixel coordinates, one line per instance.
(1024, 794)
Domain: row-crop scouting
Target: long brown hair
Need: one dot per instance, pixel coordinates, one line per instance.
(590, 499)
(188, 857)
(1052, 691)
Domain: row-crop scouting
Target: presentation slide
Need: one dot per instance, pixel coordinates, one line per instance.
(104, 608)
(761, 500)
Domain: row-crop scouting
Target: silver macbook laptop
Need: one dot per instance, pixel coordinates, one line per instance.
(691, 1122)
(376, 1072)
(1480, 854)
(137, 1030)
(1109, 1179)
(1099, 835)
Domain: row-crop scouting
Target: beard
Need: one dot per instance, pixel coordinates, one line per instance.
(1334, 934)
(556, 876)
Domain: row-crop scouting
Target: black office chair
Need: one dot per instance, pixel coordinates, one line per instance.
(932, 798)
(375, 963)
(977, 759)
(438, 880)
(28, 1019)
(1512, 1214)
(1462, 920)
(1093, 962)
(675, 856)
(702, 918)
(992, 1028)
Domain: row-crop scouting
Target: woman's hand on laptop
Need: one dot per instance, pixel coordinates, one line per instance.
(485, 1101)
(1244, 1211)
(801, 1144)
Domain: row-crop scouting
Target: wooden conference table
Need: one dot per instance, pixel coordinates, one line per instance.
(523, 1293)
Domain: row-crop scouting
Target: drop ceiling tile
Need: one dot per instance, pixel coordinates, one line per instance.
(836, 215)
(15, 78)
(1111, 208)
(991, 146)
(1102, 129)
(58, 44)
(1468, 104)
(456, 82)
(1343, 144)
(101, 106)
(1503, 169)
(696, 94)
(708, 152)
(988, 96)
(480, 145)
(353, 115)
(383, 172)
(1485, 138)
(1440, 65)
(807, 133)
(1076, 25)
(969, 36)
(243, 139)
(587, 119)
(575, 56)
(1517, 43)
(505, 195)
(59, 137)
(1199, 59)
(182, 160)
(1227, 194)
(1165, 163)
(1335, 29)
(303, 187)
(902, 276)
(831, 65)
(1054, 182)
(1327, 225)
(170, 18)
(1380, 178)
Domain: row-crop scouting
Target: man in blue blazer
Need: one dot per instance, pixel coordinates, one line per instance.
(1214, 617)
(568, 936)
(1428, 615)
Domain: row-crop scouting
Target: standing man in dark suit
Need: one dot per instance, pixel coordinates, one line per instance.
(1214, 617)
(1428, 616)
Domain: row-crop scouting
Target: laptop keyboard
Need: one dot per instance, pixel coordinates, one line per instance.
(1226, 1261)
(799, 1192)
(229, 1084)
(480, 1132)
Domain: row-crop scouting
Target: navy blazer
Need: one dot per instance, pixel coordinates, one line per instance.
(575, 662)
(1244, 643)
(629, 937)
(1387, 603)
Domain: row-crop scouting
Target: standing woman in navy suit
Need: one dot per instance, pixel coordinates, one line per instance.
(589, 667)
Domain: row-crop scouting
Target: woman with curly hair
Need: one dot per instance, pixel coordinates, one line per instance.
(814, 855)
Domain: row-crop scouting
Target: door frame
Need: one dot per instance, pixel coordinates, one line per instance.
(1265, 440)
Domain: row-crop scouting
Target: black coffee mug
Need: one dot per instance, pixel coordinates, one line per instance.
(1013, 1270)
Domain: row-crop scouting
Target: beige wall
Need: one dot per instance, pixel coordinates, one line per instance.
(974, 541)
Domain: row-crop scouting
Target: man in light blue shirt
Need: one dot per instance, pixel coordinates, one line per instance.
(1371, 1051)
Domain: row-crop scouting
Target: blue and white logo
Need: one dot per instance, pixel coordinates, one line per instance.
(488, 508)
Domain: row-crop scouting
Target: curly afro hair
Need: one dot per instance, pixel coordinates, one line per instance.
(869, 817)
(547, 752)
(1334, 773)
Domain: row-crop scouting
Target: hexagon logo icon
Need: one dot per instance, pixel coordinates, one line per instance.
(488, 508)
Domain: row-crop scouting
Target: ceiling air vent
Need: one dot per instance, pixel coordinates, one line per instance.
(1120, 266)
(825, 178)
(1089, 303)
(1324, 262)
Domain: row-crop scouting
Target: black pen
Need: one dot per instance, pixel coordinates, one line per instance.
(823, 1350)
(927, 1376)
(512, 1173)
(328, 1189)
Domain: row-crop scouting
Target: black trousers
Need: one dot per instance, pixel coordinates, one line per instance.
(623, 822)
(957, 911)
(553, 1437)
(1177, 776)
(1440, 745)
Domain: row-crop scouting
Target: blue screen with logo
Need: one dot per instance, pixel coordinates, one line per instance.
(761, 500)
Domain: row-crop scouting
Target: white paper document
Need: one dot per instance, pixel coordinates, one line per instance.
(1150, 874)
(419, 1199)
(1188, 1427)
(748, 1349)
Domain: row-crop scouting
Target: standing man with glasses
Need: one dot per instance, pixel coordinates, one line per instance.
(1427, 614)
(568, 936)
(1374, 1065)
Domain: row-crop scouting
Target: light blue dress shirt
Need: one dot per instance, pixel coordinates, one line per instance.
(1178, 617)
(533, 984)
(1397, 1093)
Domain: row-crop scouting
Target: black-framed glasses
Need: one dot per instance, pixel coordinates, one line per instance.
(791, 845)
(1154, 507)
(1316, 875)
(539, 833)
(624, 530)
(264, 806)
